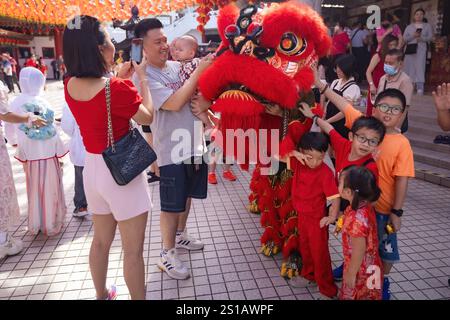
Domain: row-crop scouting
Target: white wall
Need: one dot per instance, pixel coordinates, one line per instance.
(36, 47)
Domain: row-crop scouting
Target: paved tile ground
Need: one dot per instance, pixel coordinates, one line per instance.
(230, 267)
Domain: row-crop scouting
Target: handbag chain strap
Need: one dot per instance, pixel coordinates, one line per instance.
(110, 138)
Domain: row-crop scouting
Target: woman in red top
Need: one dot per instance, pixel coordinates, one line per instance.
(362, 263)
(376, 69)
(89, 56)
(341, 45)
(31, 62)
(341, 41)
(42, 67)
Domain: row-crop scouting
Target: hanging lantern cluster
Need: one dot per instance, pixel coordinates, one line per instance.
(204, 7)
(58, 12)
(12, 42)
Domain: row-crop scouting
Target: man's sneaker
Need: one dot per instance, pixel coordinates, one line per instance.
(386, 295)
(228, 175)
(338, 273)
(11, 247)
(300, 282)
(174, 268)
(80, 212)
(212, 179)
(186, 241)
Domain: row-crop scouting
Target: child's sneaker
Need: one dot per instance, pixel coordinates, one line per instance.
(300, 282)
(386, 295)
(338, 273)
(11, 247)
(173, 266)
(212, 179)
(80, 212)
(186, 241)
(228, 175)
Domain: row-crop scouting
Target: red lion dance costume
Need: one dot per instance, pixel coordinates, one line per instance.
(264, 60)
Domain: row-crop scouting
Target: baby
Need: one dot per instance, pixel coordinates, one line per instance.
(185, 51)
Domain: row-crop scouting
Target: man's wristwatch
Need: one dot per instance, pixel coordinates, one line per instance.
(397, 212)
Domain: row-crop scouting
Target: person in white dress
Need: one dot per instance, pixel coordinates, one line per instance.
(39, 150)
(9, 206)
(417, 33)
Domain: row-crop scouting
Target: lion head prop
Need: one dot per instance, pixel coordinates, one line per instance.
(265, 59)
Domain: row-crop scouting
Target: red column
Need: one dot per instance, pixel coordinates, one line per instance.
(58, 42)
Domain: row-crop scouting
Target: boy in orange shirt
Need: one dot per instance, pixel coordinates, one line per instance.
(395, 164)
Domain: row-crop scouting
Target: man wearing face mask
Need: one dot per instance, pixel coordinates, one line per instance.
(396, 78)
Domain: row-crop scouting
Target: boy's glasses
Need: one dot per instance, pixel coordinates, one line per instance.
(371, 142)
(385, 108)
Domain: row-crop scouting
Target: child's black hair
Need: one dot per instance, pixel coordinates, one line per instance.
(363, 184)
(397, 53)
(371, 123)
(392, 93)
(314, 141)
(347, 64)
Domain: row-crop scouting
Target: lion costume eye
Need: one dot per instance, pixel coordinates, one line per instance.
(291, 45)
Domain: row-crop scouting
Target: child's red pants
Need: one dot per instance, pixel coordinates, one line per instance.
(313, 243)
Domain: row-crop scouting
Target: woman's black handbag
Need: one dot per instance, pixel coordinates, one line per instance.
(411, 48)
(128, 157)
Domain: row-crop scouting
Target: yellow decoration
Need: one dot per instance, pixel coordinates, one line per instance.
(58, 11)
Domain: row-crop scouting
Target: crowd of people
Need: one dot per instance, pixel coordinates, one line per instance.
(10, 69)
(373, 160)
(390, 56)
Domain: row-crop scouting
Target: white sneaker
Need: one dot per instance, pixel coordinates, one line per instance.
(11, 247)
(420, 92)
(173, 266)
(300, 282)
(186, 241)
(80, 213)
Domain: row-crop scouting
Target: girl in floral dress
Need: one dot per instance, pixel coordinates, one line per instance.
(362, 264)
(39, 149)
(9, 207)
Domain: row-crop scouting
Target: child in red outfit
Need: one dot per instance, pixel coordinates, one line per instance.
(313, 184)
(365, 136)
(362, 263)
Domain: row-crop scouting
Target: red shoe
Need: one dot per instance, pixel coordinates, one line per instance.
(212, 179)
(228, 175)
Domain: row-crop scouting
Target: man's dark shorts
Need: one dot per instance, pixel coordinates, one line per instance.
(182, 181)
(388, 246)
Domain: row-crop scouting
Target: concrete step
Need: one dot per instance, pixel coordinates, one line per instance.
(425, 130)
(423, 119)
(426, 142)
(432, 174)
(432, 158)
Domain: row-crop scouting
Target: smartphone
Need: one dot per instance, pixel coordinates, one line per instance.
(136, 50)
(419, 30)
